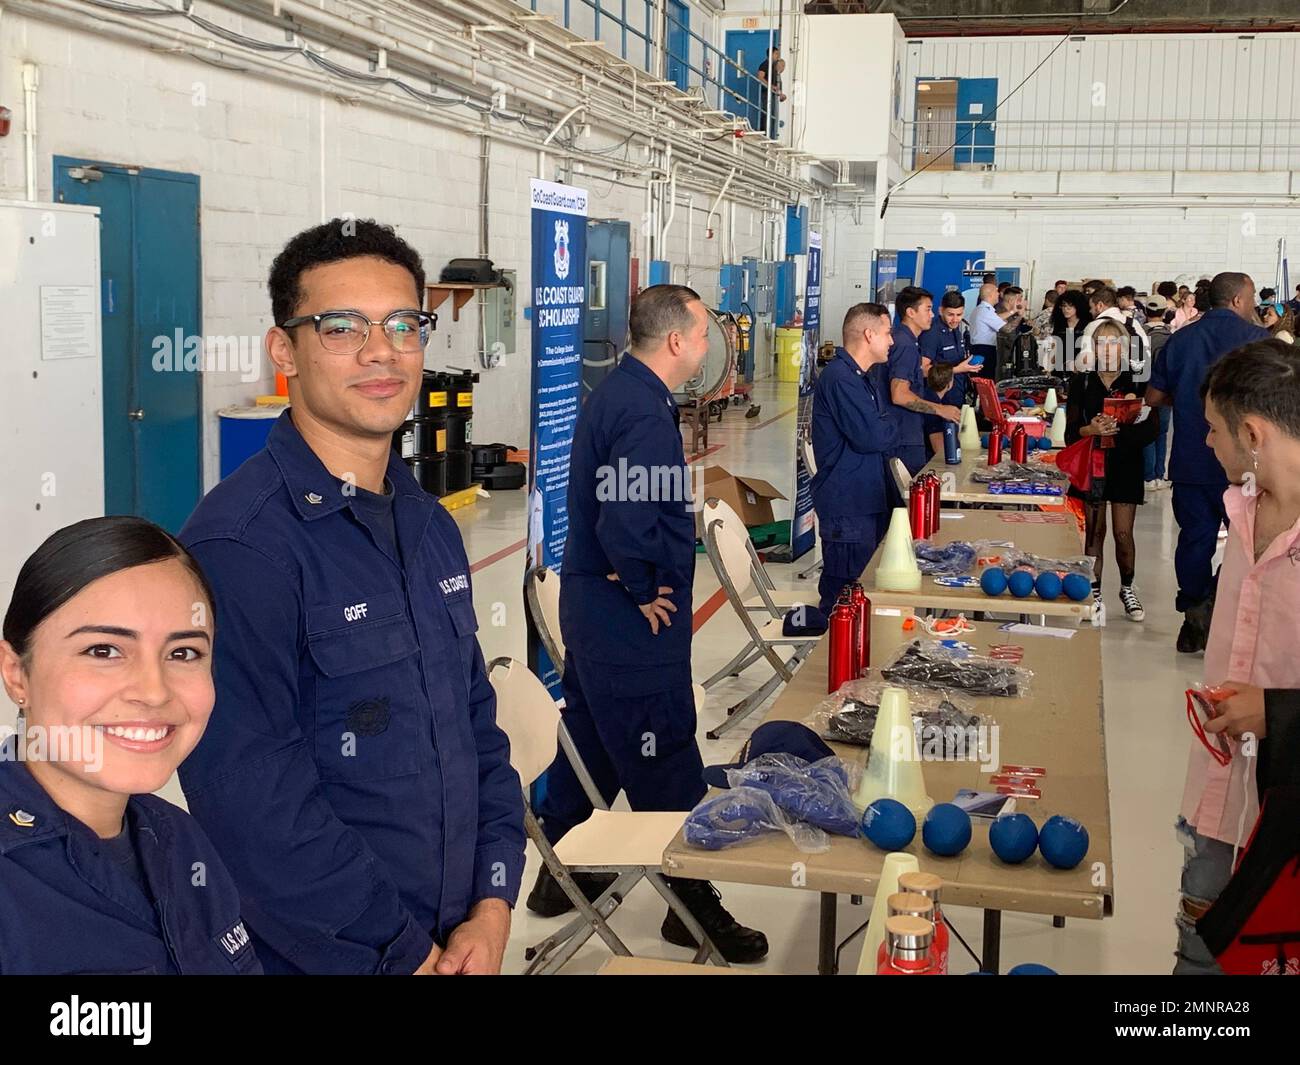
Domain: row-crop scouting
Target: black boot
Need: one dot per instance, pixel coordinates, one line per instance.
(547, 899)
(736, 942)
(1195, 633)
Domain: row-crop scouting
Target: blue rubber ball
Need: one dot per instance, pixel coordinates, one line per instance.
(1031, 968)
(993, 581)
(984, 441)
(1048, 585)
(1006, 441)
(889, 824)
(1027, 402)
(1063, 841)
(946, 830)
(1076, 586)
(1013, 837)
(1021, 583)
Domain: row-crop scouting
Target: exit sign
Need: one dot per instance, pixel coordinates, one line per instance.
(750, 23)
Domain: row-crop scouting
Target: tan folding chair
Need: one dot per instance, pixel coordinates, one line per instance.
(741, 580)
(629, 844)
(542, 591)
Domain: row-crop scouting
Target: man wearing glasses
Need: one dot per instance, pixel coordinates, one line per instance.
(353, 778)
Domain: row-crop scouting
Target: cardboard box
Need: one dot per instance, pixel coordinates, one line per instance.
(750, 497)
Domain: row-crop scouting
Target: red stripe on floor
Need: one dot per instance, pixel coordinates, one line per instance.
(784, 413)
(497, 556)
(707, 609)
(706, 452)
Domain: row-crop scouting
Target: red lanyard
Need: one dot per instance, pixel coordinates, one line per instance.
(1199, 709)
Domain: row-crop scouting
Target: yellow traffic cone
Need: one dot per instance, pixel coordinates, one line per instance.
(896, 864)
(898, 571)
(894, 763)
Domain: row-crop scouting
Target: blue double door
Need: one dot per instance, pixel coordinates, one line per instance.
(151, 285)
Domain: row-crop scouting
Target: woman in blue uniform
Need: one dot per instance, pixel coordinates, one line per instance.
(107, 654)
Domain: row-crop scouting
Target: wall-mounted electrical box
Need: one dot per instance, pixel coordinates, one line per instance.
(760, 293)
(783, 291)
(731, 288)
(796, 230)
(499, 318)
(661, 272)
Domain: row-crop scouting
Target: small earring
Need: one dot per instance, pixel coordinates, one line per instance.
(1254, 457)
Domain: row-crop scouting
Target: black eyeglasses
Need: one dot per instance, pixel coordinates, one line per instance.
(346, 332)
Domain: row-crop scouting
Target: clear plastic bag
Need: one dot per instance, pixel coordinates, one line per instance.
(945, 560)
(945, 722)
(1009, 470)
(819, 793)
(953, 665)
(1017, 559)
(738, 815)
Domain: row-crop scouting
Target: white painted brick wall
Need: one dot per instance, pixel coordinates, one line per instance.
(1135, 246)
(258, 148)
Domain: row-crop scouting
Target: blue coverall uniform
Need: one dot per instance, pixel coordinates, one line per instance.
(629, 701)
(854, 433)
(155, 900)
(353, 776)
(905, 365)
(1198, 480)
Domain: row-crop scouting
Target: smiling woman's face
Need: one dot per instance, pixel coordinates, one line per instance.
(121, 676)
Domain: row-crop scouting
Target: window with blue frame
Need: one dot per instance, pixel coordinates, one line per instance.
(974, 128)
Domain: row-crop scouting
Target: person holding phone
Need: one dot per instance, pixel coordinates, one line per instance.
(107, 653)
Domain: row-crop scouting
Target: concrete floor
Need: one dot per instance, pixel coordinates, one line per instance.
(1146, 732)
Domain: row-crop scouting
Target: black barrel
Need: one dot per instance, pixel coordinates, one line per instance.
(421, 436)
(460, 408)
(435, 395)
(459, 463)
(430, 472)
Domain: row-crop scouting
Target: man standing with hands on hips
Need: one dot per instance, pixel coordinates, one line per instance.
(914, 308)
(625, 608)
(854, 432)
(353, 777)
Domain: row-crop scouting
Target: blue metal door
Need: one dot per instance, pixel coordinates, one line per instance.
(152, 280)
(679, 44)
(609, 248)
(977, 100)
(746, 49)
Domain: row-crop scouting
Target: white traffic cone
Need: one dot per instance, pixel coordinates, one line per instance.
(1057, 432)
(896, 864)
(969, 437)
(894, 762)
(898, 571)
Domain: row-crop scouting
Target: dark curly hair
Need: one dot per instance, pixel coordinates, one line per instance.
(332, 242)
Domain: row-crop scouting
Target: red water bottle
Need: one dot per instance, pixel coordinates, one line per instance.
(995, 445)
(906, 949)
(861, 629)
(930, 886)
(916, 508)
(841, 636)
(1019, 444)
(933, 508)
